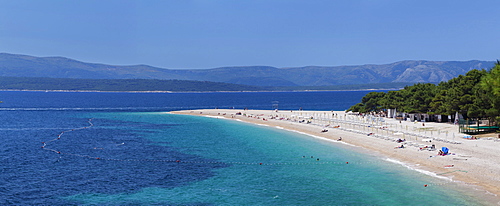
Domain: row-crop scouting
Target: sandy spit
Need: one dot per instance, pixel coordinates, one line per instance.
(473, 163)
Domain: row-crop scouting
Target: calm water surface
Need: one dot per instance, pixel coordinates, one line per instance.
(123, 149)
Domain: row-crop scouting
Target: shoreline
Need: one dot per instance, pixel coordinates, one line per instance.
(472, 163)
(158, 91)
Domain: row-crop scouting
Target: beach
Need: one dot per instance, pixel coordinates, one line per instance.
(472, 163)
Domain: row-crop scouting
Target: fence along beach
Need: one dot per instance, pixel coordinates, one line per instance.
(474, 163)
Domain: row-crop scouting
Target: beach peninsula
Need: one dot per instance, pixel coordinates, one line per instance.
(471, 161)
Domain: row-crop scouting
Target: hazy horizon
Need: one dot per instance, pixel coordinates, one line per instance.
(209, 34)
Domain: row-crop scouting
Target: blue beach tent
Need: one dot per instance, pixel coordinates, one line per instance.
(445, 150)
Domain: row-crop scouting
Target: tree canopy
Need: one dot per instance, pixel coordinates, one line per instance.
(475, 94)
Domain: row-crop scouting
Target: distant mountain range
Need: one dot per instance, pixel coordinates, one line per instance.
(14, 65)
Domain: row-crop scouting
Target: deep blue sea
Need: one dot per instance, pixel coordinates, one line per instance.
(98, 148)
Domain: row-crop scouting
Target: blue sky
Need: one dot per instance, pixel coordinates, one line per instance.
(282, 33)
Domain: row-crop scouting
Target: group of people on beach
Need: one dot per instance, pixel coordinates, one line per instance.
(470, 137)
(400, 141)
(430, 148)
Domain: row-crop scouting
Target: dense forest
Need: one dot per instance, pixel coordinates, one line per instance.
(474, 95)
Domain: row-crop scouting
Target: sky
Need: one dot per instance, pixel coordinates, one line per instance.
(203, 34)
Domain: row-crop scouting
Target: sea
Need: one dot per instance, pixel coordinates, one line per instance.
(112, 148)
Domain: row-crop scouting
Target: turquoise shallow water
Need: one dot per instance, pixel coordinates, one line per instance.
(288, 174)
(135, 154)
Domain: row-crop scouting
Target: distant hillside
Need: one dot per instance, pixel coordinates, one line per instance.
(403, 71)
(143, 85)
(44, 83)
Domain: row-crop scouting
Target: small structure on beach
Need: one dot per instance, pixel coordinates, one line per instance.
(476, 126)
(275, 105)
